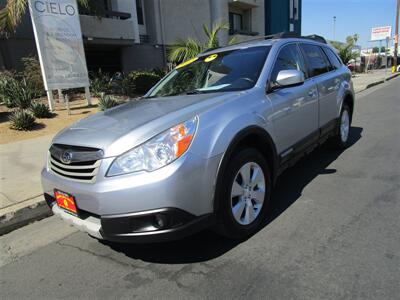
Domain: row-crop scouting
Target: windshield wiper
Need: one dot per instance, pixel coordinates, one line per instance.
(193, 92)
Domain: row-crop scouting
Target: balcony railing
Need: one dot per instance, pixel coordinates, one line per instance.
(111, 14)
(244, 3)
(144, 38)
(113, 28)
(243, 32)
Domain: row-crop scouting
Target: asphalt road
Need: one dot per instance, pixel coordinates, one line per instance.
(333, 233)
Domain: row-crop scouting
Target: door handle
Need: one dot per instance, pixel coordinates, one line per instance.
(311, 94)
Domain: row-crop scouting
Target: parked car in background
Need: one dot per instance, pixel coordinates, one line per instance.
(205, 146)
(350, 66)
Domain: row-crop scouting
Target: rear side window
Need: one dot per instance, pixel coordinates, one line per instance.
(289, 58)
(333, 58)
(316, 62)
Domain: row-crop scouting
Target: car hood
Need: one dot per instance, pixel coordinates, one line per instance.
(126, 126)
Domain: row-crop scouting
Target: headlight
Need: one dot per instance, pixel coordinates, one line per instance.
(157, 152)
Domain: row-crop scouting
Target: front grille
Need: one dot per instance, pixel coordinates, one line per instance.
(84, 164)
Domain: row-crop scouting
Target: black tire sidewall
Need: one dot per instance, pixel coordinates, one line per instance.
(227, 225)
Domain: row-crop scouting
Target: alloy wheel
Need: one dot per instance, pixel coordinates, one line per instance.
(248, 193)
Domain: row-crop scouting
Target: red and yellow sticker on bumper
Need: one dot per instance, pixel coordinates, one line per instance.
(66, 201)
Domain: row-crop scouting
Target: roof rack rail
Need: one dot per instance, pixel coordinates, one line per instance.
(315, 37)
(262, 37)
(279, 35)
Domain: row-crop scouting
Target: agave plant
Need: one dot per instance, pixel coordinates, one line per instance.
(107, 102)
(7, 78)
(184, 50)
(22, 119)
(20, 93)
(40, 110)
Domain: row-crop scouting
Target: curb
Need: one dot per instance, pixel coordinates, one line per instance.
(23, 213)
(378, 82)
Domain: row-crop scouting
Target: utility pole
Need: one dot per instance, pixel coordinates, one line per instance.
(334, 27)
(396, 42)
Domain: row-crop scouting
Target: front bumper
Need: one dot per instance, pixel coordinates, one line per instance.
(140, 227)
(186, 184)
(110, 207)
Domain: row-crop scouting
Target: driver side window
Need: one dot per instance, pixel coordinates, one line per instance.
(289, 58)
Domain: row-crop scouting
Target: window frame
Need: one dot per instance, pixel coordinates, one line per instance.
(232, 15)
(326, 51)
(301, 56)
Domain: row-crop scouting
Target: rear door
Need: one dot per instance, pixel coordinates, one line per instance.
(295, 116)
(328, 82)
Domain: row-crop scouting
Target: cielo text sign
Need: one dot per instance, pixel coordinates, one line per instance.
(381, 33)
(58, 38)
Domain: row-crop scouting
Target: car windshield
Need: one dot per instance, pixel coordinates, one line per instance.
(233, 70)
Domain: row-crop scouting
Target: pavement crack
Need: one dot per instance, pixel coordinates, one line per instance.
(95, 254)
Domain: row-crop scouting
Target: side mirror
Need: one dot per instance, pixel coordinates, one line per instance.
(288, 78)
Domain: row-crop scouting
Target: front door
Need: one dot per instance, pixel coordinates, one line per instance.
(295, 117)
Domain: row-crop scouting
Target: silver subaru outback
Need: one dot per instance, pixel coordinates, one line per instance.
(204, 146)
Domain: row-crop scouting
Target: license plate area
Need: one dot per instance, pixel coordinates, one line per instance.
(66, 202)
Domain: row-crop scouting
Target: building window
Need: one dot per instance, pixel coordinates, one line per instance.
(235, 22)
(107, 5)
(139, 10)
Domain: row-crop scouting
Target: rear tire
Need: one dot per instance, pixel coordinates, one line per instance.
(341, 139)
(244, 194)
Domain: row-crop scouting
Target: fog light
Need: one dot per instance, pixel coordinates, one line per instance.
(160, 221)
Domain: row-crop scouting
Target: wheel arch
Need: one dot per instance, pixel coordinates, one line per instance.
(252, 136)
(348, 98)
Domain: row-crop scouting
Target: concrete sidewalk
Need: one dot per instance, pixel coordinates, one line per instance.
(364, 81)
(21, 199)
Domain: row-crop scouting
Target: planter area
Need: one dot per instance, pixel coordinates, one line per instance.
(46, 126)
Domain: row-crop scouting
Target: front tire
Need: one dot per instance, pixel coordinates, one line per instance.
(244, 194)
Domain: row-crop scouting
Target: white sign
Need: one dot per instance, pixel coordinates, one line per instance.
(59, 43)
(381, 33)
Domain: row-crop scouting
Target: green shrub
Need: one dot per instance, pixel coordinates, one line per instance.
(22, 120)
(161, 72)
(21, 93)
(33, 73)
(126, 86)
(143, 80)
(99, 83)
(106, 102)
(40, 110)
(6, 78)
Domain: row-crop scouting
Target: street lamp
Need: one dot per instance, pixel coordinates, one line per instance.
(334, 28)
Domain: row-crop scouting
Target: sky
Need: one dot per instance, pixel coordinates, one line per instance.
(352, 16)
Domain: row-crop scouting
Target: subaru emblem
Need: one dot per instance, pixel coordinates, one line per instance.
(66, 157)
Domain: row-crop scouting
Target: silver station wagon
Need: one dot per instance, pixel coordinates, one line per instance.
(204, 147)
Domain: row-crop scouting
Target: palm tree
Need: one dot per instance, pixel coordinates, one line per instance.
(356, 37)
(187, 49)
(11, 14)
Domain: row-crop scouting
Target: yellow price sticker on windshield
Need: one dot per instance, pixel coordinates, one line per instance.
(186, 63)
(211, 57)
